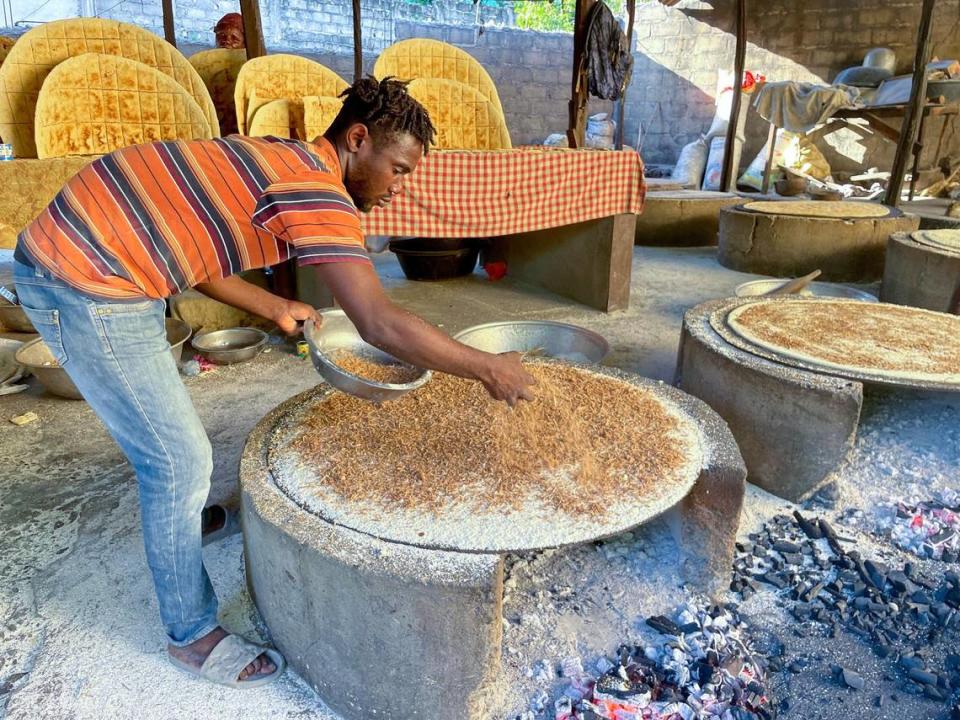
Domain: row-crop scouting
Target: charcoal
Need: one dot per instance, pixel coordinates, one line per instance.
(877, 573)
(902, 585)
(952, 662)
(921, 676)
(933, 692)
(663, 625)
(949, 556)
(852, 679)
(785, 546)
(920, 598)
(909, 662)
(810, 529)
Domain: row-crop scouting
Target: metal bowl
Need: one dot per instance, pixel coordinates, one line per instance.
(13, 318)
(178, 332)
(233, 345)
(562, 341)
(10, 369)
(337, 332)
(37, 357)
(815, 289)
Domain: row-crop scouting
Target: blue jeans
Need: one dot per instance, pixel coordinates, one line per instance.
(118, 356)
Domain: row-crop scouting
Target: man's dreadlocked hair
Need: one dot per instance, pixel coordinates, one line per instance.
(386, 108)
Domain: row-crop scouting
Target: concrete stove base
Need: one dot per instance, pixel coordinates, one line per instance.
(387, 630)
(682, 218)
(793, 427)
(845, 250)
(919, 275)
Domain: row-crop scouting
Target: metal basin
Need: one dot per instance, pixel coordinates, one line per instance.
(814, 289)
(37, 357)
(234, 345)
(178, 332)
(337, 332)
(13, 318)
(562, 341)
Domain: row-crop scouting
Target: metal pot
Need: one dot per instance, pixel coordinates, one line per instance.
(881, 58)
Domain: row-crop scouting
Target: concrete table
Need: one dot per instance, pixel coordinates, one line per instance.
(392, 630)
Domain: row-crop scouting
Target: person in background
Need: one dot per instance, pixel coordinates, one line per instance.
(229, 32)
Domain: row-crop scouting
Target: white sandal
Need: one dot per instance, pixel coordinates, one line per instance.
(228, 659)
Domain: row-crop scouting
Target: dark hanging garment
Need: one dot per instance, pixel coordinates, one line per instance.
(607, 58)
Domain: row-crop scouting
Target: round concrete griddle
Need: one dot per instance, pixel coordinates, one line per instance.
(460, 527)
(681, 218)
(791, 238)
(718, 321)
(918, 273)
(822, 209)
(947, 241)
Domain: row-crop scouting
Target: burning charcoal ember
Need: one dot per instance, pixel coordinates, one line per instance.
(703, 669)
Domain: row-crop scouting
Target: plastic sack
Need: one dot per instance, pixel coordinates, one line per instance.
(714, 170)
(691, 163)
(784, 153)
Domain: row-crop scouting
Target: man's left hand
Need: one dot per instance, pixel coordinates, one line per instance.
(291, 315)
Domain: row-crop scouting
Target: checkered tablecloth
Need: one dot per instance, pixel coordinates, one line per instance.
(486, 194)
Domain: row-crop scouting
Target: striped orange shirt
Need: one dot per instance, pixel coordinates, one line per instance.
(153, 220)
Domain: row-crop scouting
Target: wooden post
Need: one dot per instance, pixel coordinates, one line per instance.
(252, 28)
(728, 176)
(357, 43)
(578, 99)
(631, 12)
(168, 32)
(918, 96)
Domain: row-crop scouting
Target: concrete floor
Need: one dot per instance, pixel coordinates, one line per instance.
(79, 636)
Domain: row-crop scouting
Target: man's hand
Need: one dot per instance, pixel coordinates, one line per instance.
(291, 314)
(507, 380)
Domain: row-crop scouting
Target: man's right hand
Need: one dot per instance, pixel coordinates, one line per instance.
(506, 379)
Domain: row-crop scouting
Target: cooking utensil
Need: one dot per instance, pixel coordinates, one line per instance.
(337, 332)
(818, 289)
(795, 285)
(12, 317)
(230, 346)
(562, 341)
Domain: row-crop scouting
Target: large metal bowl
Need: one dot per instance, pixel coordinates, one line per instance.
(814, 289)
(178, 332)
(233, 345)
(39, 360)
(12, 317)
(337, 332)
(37, 357)
(562, 341)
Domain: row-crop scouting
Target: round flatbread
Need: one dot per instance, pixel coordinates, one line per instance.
(445, 467)
(944, 239)
(818, 208)
(887, 341)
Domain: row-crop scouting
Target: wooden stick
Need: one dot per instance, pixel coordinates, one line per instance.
(357, 43)
(252, 28)
(578, 86)
(169, 33)
(727, 177)
(631, 12)
(918, 95)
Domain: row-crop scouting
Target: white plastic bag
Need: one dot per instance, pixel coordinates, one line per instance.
(714, 171)
(691, 163)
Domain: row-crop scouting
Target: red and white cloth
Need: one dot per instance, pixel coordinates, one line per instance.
(490, 193)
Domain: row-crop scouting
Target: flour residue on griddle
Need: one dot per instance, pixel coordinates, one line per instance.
(587, 442)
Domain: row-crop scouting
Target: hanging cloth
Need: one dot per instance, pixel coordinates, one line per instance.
(607, 57)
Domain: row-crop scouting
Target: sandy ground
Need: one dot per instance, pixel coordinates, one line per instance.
(79, 636)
